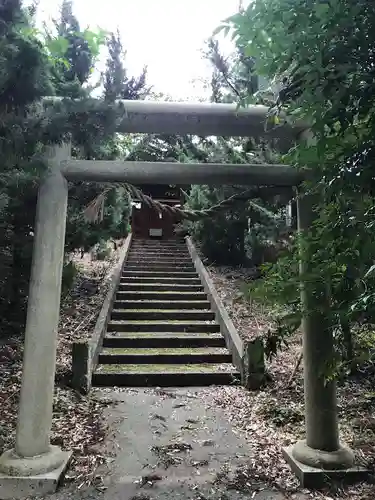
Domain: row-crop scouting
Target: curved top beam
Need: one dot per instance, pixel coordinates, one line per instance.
(203, 119)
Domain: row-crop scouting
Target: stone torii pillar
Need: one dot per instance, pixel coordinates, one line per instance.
(34, 466)
(320, 455)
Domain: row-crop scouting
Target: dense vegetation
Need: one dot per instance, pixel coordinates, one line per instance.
(56, 61)
(320, 54)
(240, 235)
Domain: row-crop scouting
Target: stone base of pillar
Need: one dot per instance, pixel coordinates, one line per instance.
(343, 458)
(23, 477)
(320, 467)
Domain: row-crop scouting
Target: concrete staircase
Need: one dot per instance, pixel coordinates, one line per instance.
(162, 330)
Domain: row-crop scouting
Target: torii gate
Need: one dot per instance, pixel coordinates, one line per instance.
(33, 454)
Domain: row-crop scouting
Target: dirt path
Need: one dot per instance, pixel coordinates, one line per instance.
(172, 444)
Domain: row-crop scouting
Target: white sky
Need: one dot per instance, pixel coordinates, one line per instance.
(165, 35)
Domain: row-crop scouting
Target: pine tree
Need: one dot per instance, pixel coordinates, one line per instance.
(78, 60)
(227, 239)
(117, 85)
(24, 78)
(24, 73)
(74, 73)
(31, 69)
(233, 77)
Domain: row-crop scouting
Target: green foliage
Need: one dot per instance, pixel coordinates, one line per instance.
(69, 275)
(74, 51)
(96, 137)
(114, 224)
(102, 251)
(35, 64)
(232, 78)
(281, 416)
(237, 236)
(92, 125)
(117, 85)
(24, 78)
(222, 240)
(321, 55)
(327, 73)
(20, 83)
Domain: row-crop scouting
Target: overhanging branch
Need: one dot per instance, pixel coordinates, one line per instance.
(94, 211)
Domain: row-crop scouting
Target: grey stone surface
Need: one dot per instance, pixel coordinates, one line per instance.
(85, 353)
(15, 465)
(145, 418)
(39, 360)
(232, 338)
(253, 364)
(18, 487)
(311, 477)
(342, 458)
(321, 418)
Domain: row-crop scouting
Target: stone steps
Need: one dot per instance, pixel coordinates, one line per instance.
(161, 287)
(164, 247)
(159, 251)
(163, 340)
(178, 280)
(160, 275)
(162, 314)
(160, 267)
(194, 355)
(162, 331)
(147, 254)
(159, 254)
(163, 375)
(158, 262)
(159, 295)
(159, 304)
(163, 326)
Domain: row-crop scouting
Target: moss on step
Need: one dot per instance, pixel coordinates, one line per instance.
(167, 350)
(166, 302)
(189, 305)
(161, 335)
(156, 368)
(172, 311)
(163, 322)
(177, 292)
(180, 293)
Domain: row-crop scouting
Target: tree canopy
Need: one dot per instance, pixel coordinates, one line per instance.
(320, 56)
(57, 60)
